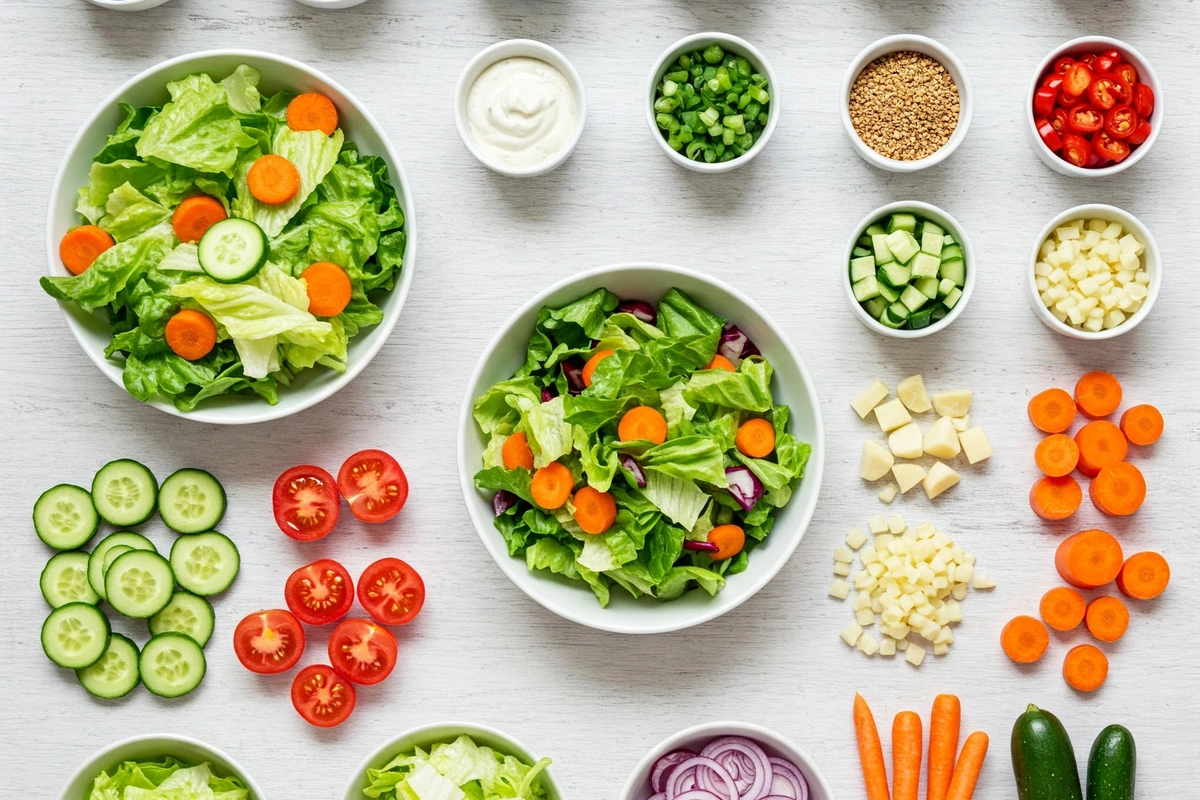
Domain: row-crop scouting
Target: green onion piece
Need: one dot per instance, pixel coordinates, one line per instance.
(716, 130)
(685, 61)
(709, 117)
(674, 142)
(685, 134)
(713, 54)
(710, 155)
(728, 135)
(695, 148)
(667, 122)
(669, 87)
(679, 76)
(736, 122)
(665, 105)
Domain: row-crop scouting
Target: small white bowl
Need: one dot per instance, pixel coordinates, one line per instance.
(152, 748)
(949, 224)
(128, 5)
(936, 51)
(1146, 74)
(1151, 262)
(517, 48)
(730, 44)
(330, 3)
(446, 732)
(637, 787)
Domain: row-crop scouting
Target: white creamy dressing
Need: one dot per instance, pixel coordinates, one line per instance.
(521, 112)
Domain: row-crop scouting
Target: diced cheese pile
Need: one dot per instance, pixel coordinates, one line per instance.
(913, 578)
(1090, 274)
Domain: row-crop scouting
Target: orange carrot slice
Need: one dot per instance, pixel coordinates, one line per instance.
(1119, 489)
(81, 246)
(1085, 668)
(642, 424)
(1057, 455)
(1089, 559)
(328, 288)
(1098, 394)
(551, 486)
(1144, 576)
(1063, 608)
(195, 215)
(1055, 498)
(756, 438)
(595, 511)
(1107, 618)
(312, 111)
(273, 180)
(1142, 425)
(1052, 411)
(589, 368)
(1024, 639)
(516, 453)
(1100, 443)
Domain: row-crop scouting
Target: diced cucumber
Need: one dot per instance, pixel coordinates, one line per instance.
(888, 293)
(116, 673)
(925, 266)
(931, 243)
(65, 580)
(927, 287)
(920, 319)
(897, 312)
(952, 299)
(64, 517)
(951, 252)
(948, 240)
(875, 229)
(902, 222)
(864, 241)
(894, 274)
(232, 250)
(187, 613)
(886, 320)
(96, 561)
(879, 245)
(75, 635)
(945, 285)
(918, 229)
(172, 664)
(191, 501)
(865, 289)
(955, 270)
(205, 563)
(932, 229)
(859, 252)
(912, 298)
(861, 268)
(875, 306)
(903, 245)
(125, 493)
(139, 584)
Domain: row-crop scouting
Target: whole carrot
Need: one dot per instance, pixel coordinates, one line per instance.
(870, 751)
(970, 762)
(943, 745)
(907, 741)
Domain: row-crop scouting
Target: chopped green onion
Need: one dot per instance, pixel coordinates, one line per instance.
(670, 87)
(713, 54)
(737, 123)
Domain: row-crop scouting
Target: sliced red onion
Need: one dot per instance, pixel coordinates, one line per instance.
(691, 794)
(701, 769)
(658, 796)
(788, 777)
(574, 374)
(746, 763)
(643, 311)
(744, 485)
(735, 345)
(547, 394)
(503, 501)
(664, 765)
(627, 461)
(700, 547)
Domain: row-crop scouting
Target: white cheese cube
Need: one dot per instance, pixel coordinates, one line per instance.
(861, 600)
(906, 602)
(868, 644)
(1058, 274)
(1115, 317)
(839, 589)
(984, 581)
(877, 524)
(1096, 225)
(1093, 324)
(942, 616)
(883, 542)
(841, 569)
(875, 570)
(892, 415)
(1042, 284)
(1066, 232)
(1077, 271)
(975, 444)
(905, 441)
(896, 524)
(869, 555)
(856, 538)
(898, 631)
(1088, 286)
(1091, 239)
(888, 493)
(876, 461)
(914, 655)
(939, 479)
(944, 636)
(930, 630)
(901, 645)
(865, 617)
(843, 554)
(941, 440)
(913, 394)
(872, 396)
(887, 647)
(1047, 248)
(851, 632)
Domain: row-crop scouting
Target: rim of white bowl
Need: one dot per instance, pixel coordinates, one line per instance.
(814, 471)
(737, 46)
(516, 48)
(128, 5)
(252, 413)
(943, 55)
(1101, 211)
(1144, 68)
(960, 234)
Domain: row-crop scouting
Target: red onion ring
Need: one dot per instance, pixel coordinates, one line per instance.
(659, 796)
(691, 768)
(788, 774)
(663, 766)
(753, 778)
(694, 794)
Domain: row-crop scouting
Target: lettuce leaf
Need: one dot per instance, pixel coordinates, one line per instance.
(499, 409)
(457, 770)
(197, 129)
(748, 389)
(680, 500)
(128, 212)
(550, 436)
(169, 779)
(101, 283)
(690, 458)
(312, 153)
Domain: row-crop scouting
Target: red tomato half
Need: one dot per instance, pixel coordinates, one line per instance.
(1140, 134)
(1049, 136)
(1143, 100)
(1121, 121)
(1126, 72)
(1043, 101)
(1084, 119)
(269, 642)
(320, 593)
(322, 697)
(1077, 79)
(374, 485)
(1110, 148)
(362, 652)
(305, 503)
(1076, 149)
(391, 591)
(1107, 90)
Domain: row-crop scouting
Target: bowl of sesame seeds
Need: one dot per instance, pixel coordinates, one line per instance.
(906, 103)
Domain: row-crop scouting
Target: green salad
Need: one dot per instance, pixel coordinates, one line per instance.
(457, 771)
(169, 779)
(199, 225)
(637, 446)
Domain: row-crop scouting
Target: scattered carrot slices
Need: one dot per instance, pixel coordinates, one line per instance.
(516, 453)
(1107, 618)
(1057, 455)
(1142, 425)
(273, 180)
(1100, 443)
(642, 424)
(1085, 668)
(551, 486)
(1063, 608)
(1119, 489)
(312, 111)
(1052, 411)
(328, 287)
(589, 369)
(1098, 394)
(195, 215)
(756, 438)
(1089, 559)
(191, 335)
(1144, 576)
(595, 511)
(1024, 639)
(721, 362)
(1055, 498)
(729, 539)
(83, 245)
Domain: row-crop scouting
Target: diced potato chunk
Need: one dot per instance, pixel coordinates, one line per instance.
(906, 441)
(887, 647)
(877, 460)
(955, 403)
(868, 644)
(877, 524)
(888, 493)
(840, 589)
(961, 423)
(851, 632)
(908, 475)
(912, 393)
(984, 581)
(856, 538)
(896, 524)
(939, 479)
(892, 415)
(941, 440)
(865, 617)
(941, 649)
(914, 654)
(841, 569)
(872, 396)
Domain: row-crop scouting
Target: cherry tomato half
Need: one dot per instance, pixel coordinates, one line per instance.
(1140, 134)
(1058, 120)
(1043, 101)
(1076, 149)
(1110, 148)
(1143, 100)
(1107, 90)
(1126, 72)
(374, 485)
(391, 591)
(305, 502)
(1077, 79)
(362, 652)
(322, 697)
(320, 593)
(1050, 137)
(269, 642)
(1084, 119)
(1121, 121)
(1063, 64)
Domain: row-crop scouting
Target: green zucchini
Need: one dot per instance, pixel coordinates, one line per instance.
(1111, 765)
(1043, 758)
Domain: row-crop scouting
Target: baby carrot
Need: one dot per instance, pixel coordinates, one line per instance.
(191, 335)
(1063, 608)
(721, 362)
(1100, 443)
(944, 722)
(1118, 490)
(273, 180)
(328, 288)
(551, 486)
(1085, 668)
(1055, 498)
(970, 764)
(1144, 576)
(1089, 559)
(1056, 455)
(1098, 394)
(642, 424)
(870, 751)
(312, 111)
(195, 215)
(516, 452)
(589, 368)
(729, 539)
(81, 246)
(1052, 411)
(907, 741)
(595, 511)
(1107, 618)
(1024, 639)
(1142, 425)
(756, 438)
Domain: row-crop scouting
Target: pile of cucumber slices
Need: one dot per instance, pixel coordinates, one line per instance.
(126, 570)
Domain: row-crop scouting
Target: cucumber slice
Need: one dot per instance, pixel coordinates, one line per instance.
(895, 274)
(912, 298)
(879, 244)
(875, 306)
(903, 245)
(188, 614)
(172, 664)
(75, 635)
(116, 673)
(65, 580)
(861, 252)
(931, 242)
(96, 565)
(232, 250)
(124, 493)
(861, 267)
(927, 287)
(875, 229)
(902, 222)
(925, 266)
(920, 319)
(866, 288)
(888, 293)
(64, 517)
(951, 252)
(205, 563)
(139, 584)
(191, 500)
(951, 300)
(112, 554)
(897, 313)
(955, 270)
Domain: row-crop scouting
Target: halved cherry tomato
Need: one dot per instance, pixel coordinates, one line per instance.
(1107, 60)
(1143, 100)
(322, 697)
(362, 652)
(320, 593)
(374, 485)
(1140, 134)
(1063, 64)
(1076, 149)
(1077, 79)
(269, 642)
(1110, 148)
(305, 502)
(1107, 90)
(1050, 137)
(1043, 101)
(1126, 72)
(1084, 119)
(391, 591)
(1121, 121)
(1059, 121)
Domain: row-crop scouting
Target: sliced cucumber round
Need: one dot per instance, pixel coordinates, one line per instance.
(125, 493)
(188, 614)
(205, 563)
(96, 564)
(139, 584)
(65, 580)
(75, 635)
(191, 500)
(172, 664)
(233, 250)
(64, 517)
(113, 553)
(116, 673)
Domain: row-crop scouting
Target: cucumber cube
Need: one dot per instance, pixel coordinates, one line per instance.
(951, 251)
(931, 243)
(918, 229)
(886, 320)
(932, 229)
(903, 245)
(955, 270)
(887, 292)
(864, 241)
(925, 266)
(927, 287)
(861, 268)
(945, 287)
(912, 298)
(920, 319)
(948, 239)
(895, 275)
(875, 230)
(859, 252)
(865, 289)
(952, 299)
(875, 306)
(897, 312)
(879, 245)
(902, 222)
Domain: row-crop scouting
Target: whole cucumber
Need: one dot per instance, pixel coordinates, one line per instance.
(1111, 765)
(1043, 758)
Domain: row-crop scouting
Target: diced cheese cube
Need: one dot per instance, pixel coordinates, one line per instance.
(1114, 317)
(941, 649)
(906, 602)
(939, 479)
(883, 542)
(901, 546)
(942, 616)
(944, 636)
(975, 444)
(887, 647)
(1077, 271)
(843, 554)
(856, 538)
(898, 631)
(877, 460)
(841, 569)
(1041, 283)
(1088, 286)
(877, 524)
(905, 441)
(924, 550)
(941, 540)
(892, 415)
(888, 493)
(930, 630)
(1091, 239)
(839, 589)
(912, 393)
(1096, 225)
(917, 620)
(901, 644)
(851, 632)
(984, 581)
(896, 524)
(1058, 274)
(941, 440)
(861, 600)
(869, 555)
(1066, 232)
(868, 644)
(1042, 270)
(865, 617)
(1093, 324)
(914, 655)
(872, 396)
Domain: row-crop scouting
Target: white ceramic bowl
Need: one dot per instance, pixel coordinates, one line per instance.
(791, 385)
(330, 3)
(949, 224)
(517, 48)
(935, 50)
(1151, 262)
(128, 5)
(637, 787)
(1146, 74)
(151, 748)
(730, 44)
(445, 732)
(92, 330)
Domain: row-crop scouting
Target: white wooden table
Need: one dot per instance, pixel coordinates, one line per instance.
(482, 651)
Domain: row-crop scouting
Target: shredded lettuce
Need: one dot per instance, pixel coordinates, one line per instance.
(455, 771)
(169, 779)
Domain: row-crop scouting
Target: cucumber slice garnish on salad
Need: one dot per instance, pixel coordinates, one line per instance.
(64, 517)
(139, 584)
(75, 635)
(188, 614)
(172, 664)
(191, 500)
(116, 673)
(65, 580)
(125, 493)
(205, 563)
(233, 250)
(96, 564)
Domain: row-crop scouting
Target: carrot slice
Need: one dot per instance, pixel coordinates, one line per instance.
(1057, 455)
(195, 215)
(1098, 394)
(721, 362)
(551, 486)
(756, 438)
(1085, 668)
(729, 539)
(595, 511)
(589, 368)
(81, 246)
(1107, 618)
(1024, 639)
(190, 334)
(907, 743)
(642, 424)
(1119, 489)
(1142, 425)
(1055, 498)
(1144, 576)
(312, 111)
(1089, 559)
(944, 722)
(1063, 608)
(970, 764)
(1052, 411)
(516, 452)
(273, 180)
(870, 751)
(1100, 443)
(328, 288)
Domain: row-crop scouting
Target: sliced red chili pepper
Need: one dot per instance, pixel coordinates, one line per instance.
(1063, 64)
(1053, 81)
(1113, 54)
(1077, 79)
(1043, 101)
(1084, 119)
(1050, 137)
(1121, 121)
(1089, 59)
(1110, 148)
(1140, 134)
(1059, 121)
(1106, 61)
(1107, 90)
(1076, 149)
(1095, 161)
(1067, 100)
(1143, 100)
(1126, 72)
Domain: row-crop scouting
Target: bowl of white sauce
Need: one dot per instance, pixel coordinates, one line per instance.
(520, 108)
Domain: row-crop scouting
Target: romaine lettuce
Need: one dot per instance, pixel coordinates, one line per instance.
(169, 779)
(454, 771)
